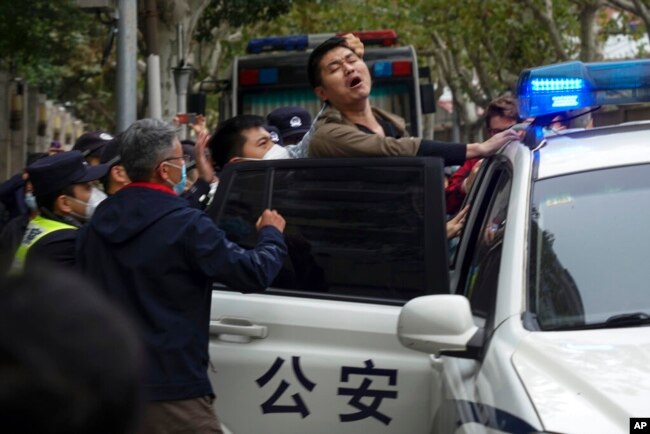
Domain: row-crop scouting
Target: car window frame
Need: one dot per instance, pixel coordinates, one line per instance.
(483, 193)
(436, 275)
(470, 197)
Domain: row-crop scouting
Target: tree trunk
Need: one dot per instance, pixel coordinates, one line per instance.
(589, 49)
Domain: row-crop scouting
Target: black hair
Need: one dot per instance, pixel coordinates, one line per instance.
(227, 140)
(313, 64)
(47, 200)
(111, 156)
(503, 106)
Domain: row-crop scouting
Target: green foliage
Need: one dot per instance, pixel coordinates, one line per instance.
(34, 30)
(57, 47)
(488, 40)
(238, 13)
(478, 46)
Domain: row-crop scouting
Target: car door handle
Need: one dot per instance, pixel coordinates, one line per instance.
(238, 327)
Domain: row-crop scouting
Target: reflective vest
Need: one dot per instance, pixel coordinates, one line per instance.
(36, 229)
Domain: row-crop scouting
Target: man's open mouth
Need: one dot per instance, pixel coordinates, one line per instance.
(355, 82)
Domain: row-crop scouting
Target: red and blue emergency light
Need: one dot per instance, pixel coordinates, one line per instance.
(251, 77)
(384, 38)
(399, 68)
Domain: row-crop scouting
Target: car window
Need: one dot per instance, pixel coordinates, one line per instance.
(483, 269)
(355, 233)
(589, 236)
(469, 198)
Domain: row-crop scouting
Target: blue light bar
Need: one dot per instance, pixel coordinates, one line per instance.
(557, 84)
(573, 85)
(282, 43)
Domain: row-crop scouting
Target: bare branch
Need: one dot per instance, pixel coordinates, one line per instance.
(636, 7)
(546, 17)
(480, 93)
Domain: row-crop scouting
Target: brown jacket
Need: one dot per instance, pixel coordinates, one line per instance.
(335, 136)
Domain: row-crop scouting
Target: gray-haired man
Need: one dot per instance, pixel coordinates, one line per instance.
(158, 258)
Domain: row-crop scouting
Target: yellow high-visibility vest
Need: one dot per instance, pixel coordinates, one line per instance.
(36, 229)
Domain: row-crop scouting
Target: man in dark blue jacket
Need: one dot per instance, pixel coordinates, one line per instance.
(158, 257)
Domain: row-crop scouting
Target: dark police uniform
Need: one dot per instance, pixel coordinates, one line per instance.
(51, 237)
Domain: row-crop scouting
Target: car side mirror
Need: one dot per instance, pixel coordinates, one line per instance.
(437, 324)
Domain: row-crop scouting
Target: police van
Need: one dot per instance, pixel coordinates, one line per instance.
(274, 74)
(537, 321)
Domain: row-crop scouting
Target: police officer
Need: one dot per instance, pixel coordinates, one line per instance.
(292, 122)
(66, 199)
(116, 176)
(91, 145)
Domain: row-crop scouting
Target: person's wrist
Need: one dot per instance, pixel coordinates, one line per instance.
(473, 150)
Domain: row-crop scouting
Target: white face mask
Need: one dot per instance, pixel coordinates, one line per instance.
(276, 152)
(96, 197)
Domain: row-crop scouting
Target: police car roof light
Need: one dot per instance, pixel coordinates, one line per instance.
(574, 85)
(280, 43)
(385, 38)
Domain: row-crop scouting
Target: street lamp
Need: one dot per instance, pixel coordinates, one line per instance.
(182, 76)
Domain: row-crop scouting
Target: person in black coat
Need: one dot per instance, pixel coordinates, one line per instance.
(65, 199)
(158, 257)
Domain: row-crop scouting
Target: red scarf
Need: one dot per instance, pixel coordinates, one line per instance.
(153, 186)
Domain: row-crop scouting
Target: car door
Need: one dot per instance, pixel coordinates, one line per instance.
(318, 352)
(467, 404)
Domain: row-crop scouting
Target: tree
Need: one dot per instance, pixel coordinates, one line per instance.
(476, 68)
(639, 8)
(478, 47)
(205, 24)
(57, 47)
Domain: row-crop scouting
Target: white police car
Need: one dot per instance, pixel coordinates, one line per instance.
(534, 324)
(549, 329)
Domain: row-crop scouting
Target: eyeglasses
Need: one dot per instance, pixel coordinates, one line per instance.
(184, 157)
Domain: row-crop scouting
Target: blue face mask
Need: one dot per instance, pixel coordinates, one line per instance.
(179, 187)
(30, 201)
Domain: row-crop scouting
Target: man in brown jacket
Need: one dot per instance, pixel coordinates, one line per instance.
(350, 127)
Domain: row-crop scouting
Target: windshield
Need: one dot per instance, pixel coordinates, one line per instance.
(589, 238)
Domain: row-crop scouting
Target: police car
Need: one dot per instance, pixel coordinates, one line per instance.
(535, 323)
(548, 329)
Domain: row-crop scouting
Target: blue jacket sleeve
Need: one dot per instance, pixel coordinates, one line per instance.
(227, 263)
